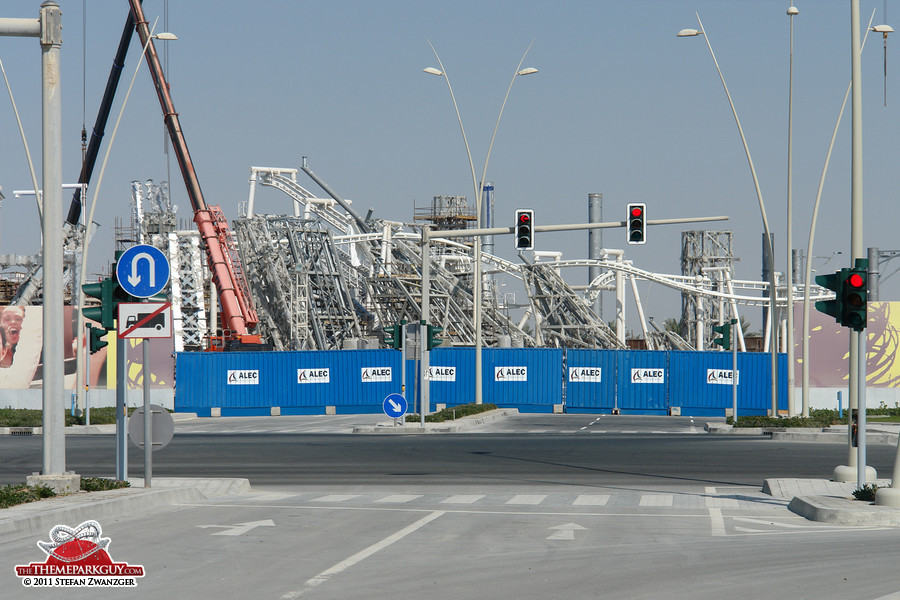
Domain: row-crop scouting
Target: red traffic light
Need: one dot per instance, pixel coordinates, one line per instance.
(524, 217)
(856, 280)
(637, 211)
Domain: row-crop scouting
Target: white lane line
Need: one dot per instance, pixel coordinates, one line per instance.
(362, 555)
(717, 522)
(399, 498)
(532, 500)
(336, 498)
(591, 500)
(463, 499)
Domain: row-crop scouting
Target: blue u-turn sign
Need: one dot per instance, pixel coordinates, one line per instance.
(395, 406)
(143, 271)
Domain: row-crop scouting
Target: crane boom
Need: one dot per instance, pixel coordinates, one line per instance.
(237, 309)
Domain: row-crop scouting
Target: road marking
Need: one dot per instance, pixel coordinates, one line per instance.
(717, 522)
(565, 532)
(362, 555)
(463, 499)
(719, 502)
(271, 496)
(336, 498)
(399, 498)
(240, 528)
(591, 500)
(657, 500)
(526, 499)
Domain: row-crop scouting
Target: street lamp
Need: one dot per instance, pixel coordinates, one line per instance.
(476, 292)
(762, 208)
(121, 467)
(789, 272)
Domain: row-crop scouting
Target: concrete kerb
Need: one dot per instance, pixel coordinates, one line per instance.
(457, 426)
(877, 434)
(832, 502)
(36, 519)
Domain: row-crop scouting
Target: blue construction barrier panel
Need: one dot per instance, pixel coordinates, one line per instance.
(252, 383)
(642, 382)
(590, 381)
(701, 382)
(528, 379)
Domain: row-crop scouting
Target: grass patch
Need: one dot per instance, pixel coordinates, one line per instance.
(13, 495)
(22, 417)
(101, 484)
(455, 412)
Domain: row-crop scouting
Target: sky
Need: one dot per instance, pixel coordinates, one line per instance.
(620, 106)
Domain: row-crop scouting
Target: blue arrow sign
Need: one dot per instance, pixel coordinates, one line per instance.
(395, 406)
(142, 271)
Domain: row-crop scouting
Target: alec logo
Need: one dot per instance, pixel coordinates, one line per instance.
(78, 557)
(313, 375)
(722, 376)
(510, 373)
(373, 374)
(245, 377)
(585, 374)
(442, 373)
(648, 376)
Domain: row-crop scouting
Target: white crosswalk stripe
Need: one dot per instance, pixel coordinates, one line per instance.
(657, 500)
(399, 498)
(591, 500)
(463, 499)
(527, 499)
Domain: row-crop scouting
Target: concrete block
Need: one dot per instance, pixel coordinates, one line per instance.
(215, 411)
(65, 483)
(558, 409)
(276, 411)
(330, 410)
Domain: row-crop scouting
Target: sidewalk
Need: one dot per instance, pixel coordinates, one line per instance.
(461, 424)
(35, 519)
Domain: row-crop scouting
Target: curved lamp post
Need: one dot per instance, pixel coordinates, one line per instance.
(79, 385)
(478, 186)
(762, 209)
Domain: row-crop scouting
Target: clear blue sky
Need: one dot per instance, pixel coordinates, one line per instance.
(620, 106)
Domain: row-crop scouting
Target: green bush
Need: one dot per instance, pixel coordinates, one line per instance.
(11, 495)
(823, 418)
(448, 414)
(866, 493)
(100, 484)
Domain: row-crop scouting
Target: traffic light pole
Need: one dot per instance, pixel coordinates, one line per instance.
(424, 382)
(121, 411)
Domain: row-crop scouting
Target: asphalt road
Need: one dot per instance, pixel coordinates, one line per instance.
(573, 450)
(533, 507)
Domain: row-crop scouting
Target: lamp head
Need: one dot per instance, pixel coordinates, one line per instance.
(688, 33)
(433, 71)
(792, 10)
(527, 71)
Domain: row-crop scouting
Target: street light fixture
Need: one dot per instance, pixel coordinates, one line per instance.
(762, 208)
(477, 291)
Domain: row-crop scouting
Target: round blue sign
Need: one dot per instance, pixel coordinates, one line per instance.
(142, 271)
(395, 406)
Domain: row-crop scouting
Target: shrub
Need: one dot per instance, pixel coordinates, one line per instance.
(100, 484)
(866, 493)
(11, 495)
(448, 414)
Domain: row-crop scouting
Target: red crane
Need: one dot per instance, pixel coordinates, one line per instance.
(238, 314)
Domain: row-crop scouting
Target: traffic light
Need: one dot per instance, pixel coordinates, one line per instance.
(855, 296)
(393, 336)
(725, 340)
(96, 335)
(636, 224)
(105, 313)
(433, 339)
(524, 230)
(835, 283)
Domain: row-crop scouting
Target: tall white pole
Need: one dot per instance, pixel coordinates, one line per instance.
(789, 271)
(54, 438)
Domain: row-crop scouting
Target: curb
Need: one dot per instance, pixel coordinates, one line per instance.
(104, 429)
(35, 519)
(457, 426)
(842, 511)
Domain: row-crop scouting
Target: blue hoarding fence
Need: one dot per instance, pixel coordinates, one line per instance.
(531, 380)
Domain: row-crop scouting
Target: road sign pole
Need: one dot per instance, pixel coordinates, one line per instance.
(148, 416)
(734, 371)
(121, 416)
